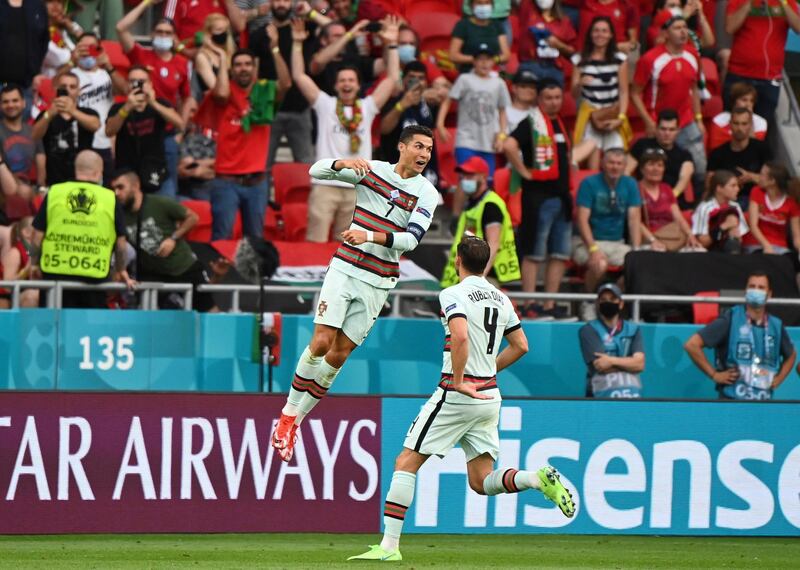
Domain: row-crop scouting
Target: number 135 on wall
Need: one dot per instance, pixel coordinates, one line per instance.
(107, 353)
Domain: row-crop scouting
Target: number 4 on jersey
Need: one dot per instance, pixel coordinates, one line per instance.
(490, 325)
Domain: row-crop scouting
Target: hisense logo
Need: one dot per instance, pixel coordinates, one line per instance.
(80, 202)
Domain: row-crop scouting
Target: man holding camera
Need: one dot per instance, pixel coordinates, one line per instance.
(65, 129)
(140, 125)
(412, 106)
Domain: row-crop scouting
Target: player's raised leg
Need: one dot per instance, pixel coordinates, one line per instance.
(485, 480)
(398, 499)
(304, 382)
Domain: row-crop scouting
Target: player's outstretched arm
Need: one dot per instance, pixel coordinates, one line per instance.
(350, 170)
(516, 349)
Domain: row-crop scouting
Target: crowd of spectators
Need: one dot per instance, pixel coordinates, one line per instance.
(598, 113)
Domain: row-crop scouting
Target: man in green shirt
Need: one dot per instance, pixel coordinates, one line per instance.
(156, 226)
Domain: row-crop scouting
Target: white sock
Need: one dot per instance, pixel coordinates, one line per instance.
(316, 389)
(510, 481)
(306, 371)
(398, 499)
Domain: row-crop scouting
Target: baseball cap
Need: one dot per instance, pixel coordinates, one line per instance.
(666, 17)
(484, 49)
(616, 291)
(474, 165)
(524, 76)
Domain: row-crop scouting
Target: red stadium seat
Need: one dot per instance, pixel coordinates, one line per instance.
(411, 8)
(116, 56)
(226, 247)
(202, 230)
(295, 221)
(433, 28)
(712, 75)
(704, 313)
(288, 178)
(273, 225)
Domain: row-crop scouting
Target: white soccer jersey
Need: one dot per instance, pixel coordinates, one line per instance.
(385, 203)
(490, 316)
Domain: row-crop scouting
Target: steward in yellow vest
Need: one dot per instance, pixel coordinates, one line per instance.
(485, 216)
(78, 226)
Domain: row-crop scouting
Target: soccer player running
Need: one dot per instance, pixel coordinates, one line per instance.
(465, 408)
(394, 208)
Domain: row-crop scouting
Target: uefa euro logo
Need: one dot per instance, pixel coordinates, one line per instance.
(81, 202)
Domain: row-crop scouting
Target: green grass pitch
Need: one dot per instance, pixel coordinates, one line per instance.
(295, 551)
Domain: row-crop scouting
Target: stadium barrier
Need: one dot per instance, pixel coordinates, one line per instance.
(139, 462)
(42, 349)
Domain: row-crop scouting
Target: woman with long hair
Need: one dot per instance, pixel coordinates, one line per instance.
(600, 79)
(718, 222)
(217, 44)
(546, 38)
(663, 225)
(773, 210)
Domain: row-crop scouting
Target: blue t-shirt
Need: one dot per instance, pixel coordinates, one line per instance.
(608, 216)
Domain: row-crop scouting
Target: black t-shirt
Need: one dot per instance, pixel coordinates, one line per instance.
(676, 156)
(422, 114)
(559, 186)
(62, 142)
(140, 141)
(293, 101)
(752, 158)
(14, 65)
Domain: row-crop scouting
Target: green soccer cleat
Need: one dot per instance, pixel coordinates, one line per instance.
(555, 491)
(375, 552)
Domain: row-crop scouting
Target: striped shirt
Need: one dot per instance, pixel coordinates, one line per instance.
(385, 203)
(704, 211)
(603, 89)
(490, 316)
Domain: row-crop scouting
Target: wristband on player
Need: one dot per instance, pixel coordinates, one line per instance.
(370, 236)
(389, 240)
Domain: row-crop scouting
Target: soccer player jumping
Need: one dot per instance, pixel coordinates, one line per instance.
(465, 408)
(394, 208)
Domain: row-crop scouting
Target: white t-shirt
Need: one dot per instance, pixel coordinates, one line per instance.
(702, 216)
(333, 139)
(515, 116)
(96, 94)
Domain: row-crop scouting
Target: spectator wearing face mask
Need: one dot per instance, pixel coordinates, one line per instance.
(753, 351)
(485, 216)
(612, 349)
(169, 74)
(99, 82)
(65, 129)
(475, 30)
(217, 45)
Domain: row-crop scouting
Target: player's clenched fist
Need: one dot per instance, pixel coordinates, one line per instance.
(360, 165)
(354, 237)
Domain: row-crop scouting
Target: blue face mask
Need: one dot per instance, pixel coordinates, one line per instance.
(469, 186)
(406, 53)
(87, 62)
(483, 11)
(162, 43)
(755, 297)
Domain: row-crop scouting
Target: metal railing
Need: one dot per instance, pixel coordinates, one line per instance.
(150, 291)
(55, 291)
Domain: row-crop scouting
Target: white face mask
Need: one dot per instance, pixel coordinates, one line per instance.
(545, 4)
(482, 11)
(468, 186)
(162, 43)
